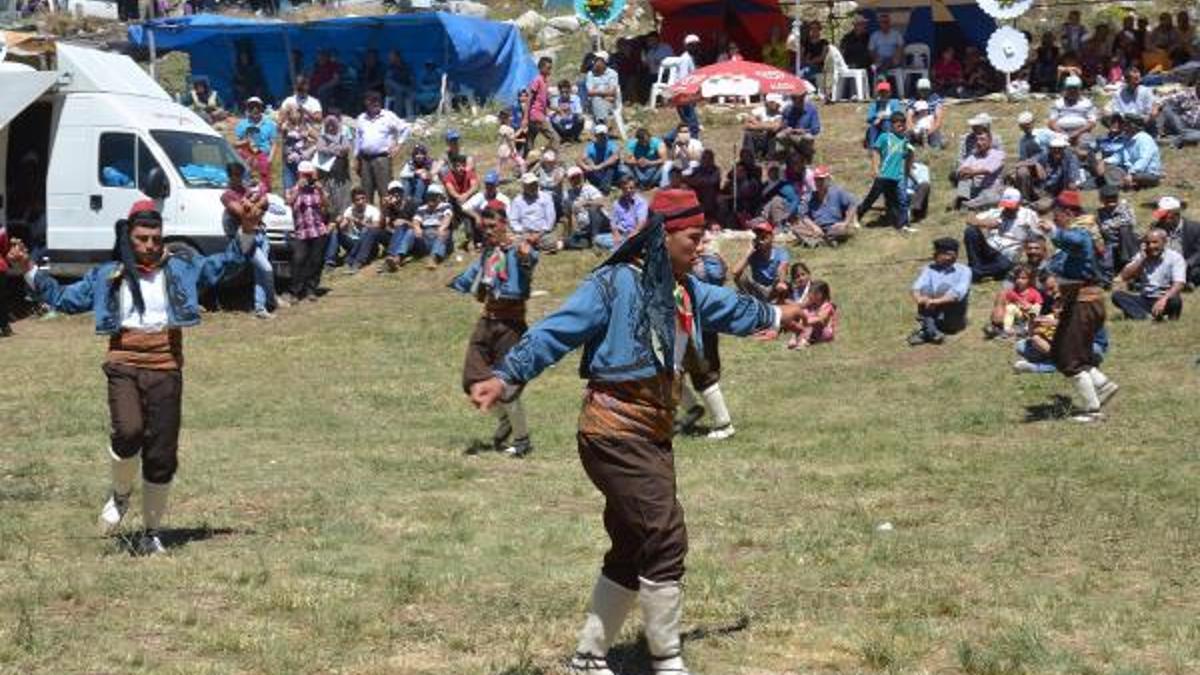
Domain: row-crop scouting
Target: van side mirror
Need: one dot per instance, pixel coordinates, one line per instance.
(157, 186)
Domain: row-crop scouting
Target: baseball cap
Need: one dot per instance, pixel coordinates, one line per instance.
(435, 189)
(306, 167)
(601, 55)
(1059, 141)
(1010, 198)
(395, 185)
(762, 225)
(1025, 117)
(1069, 199)
(924, 83)
(574, 171)
(491, 178)
(980, 120)
(254, 100)
(1073, 81)
(528, 179)
(883, 85)
(453, 135)
(1166, 205)
(692, 38)
(822, 171)
(600, 129)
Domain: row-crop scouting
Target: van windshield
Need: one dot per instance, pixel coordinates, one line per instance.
(200, 159)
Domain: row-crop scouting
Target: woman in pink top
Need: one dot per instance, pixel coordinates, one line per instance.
(820, 317)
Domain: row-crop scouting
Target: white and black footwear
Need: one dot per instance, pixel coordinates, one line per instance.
(588, 664)
(520, 447)
(611, 603)
(721, 433)
(149, 544)
(1087, 416)
(662, 612)
(113, 513)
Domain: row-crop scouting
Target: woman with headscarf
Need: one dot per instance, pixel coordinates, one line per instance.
(332, 160)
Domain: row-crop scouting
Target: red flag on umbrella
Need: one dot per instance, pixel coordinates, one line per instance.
(738, 77)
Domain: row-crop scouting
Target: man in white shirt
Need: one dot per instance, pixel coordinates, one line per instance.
(584, 207)
(1156, 277)
(531, 216)
(994, 238)
(1135, 99)
(687, 64)
(762, 125)
(302, 100)
(1073, 114)
(348, 230)
(603, 89)
(377, 139)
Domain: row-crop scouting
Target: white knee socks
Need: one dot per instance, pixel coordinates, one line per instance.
(611, 603)
(714, 400)
(662, 610)
(123, 471)
(1099, 379)
(1087, 391)
(154, 503)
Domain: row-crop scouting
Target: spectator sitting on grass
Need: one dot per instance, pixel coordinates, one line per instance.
(644, 159)
(601, 160)
(1156, 277)
(799, 281)
(203, 101)
(1181, 115)
(800, 128)
(346, 234)
(780, 198)
(1183, 235)
(926, 114)
(980, 125)
(978, 176)
(434, 218)
(829, 216)
(488, 198)
(762, 125)
(820, 317)
(566, 113)
(684, 149)
(531, 216)
(1041, 178)
(417, 174)
(762, 272)
(1073, 114)
(1029, 145)
(941, 293)
(583, 206)
(705, 179)
(397, 211)
(1035, 259)
(551, 176)
(917, 188)
(1137, 163)
(629, 214)
(1118, 227)
(1022, 302)
(994, 238)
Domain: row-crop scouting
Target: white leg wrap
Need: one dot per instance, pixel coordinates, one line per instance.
(714, 400)
(1099, 379)
(611, 603)
(662, 610)
(1087, 391)
(154, 504)
(123, 472)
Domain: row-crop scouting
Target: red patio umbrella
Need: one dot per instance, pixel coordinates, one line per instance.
(756, 79)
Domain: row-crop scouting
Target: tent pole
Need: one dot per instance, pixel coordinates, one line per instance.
(153, 51)
(287, 48)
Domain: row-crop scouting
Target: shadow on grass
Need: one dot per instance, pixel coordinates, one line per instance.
(633, 658)
(173, 538)
(1057, 408)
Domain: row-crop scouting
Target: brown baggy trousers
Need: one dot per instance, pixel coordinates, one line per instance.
(490, 341)
(641, 514)
(145, 407)
(1082, 317)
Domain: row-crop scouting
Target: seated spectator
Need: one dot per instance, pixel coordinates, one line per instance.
(1187, 48)
(948, 74)
(603, 89)
(1073, 114)
(1043, 177)
(926, 113)
(1155, 279)
(978, 176)
(941, 293)
(531, 216)
(510, 160)
(1022, 303)
(396, 212)
(704, 179)
(761, 126)
(917, 188)
(551, 176)
(601, 160)
(429, 232)
(248, 81)
(813, 51)
(887, 46)
(335, 144)
(1044, 74)
(644, 159)
(741, 196)
(256, 136)
(203, 101)
(856, 44)
(347, 231)
(880, 113)
(1036, 350)
(820, 317)
(427, 89)
(417, 174)
(489, 198)
(799, 281)
(460, 184)
(1034, 257)
(829, 216)
(890, 163)
(801, 124)
(780, 199)
(994, 238)
(453, 149)
(1183, 235)
(979, 76)
(980, 124)
(566, 113)
(326, 78)
(1181, 116)
(629, 214)
(762, 272)
(583, 206)
(1029, 145)
(1117, 226)
(1133, 98)
(1137, 163)
(684, 149)
(398, 83)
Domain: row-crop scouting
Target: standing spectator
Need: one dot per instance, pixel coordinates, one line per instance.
(856, 44)
(887, 47)
(880, 113)
(979, 176)
(332, 160)
(891, 161)
(1073, 114)
(687, 64)
(536, 115)
(1183, 234)
(1164, 35)
(629, 214)
(1137, 164)
(583, 207)
(417, 174)
(948, 73)
(763, 271)
(1158, 274)
(308, 201)
(248, 81)
(256, 136)
(244, 209)
(1043, 177)
(510, 160)
(349, 229)
(644, 159)
(460, 185)
(1074, 33)
(994, 238)
(378, 139)
(929, 131)
(299, 141)
(531, 216)
(601, 160)
(603, 89)
(300, 98)
(762, 125)
(829, 216)
(941, 293)
(1118, 226)
(566, 115)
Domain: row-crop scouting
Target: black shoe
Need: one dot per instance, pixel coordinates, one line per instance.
(520, 447)
(149, 544)
(992, 331)
(916, 338)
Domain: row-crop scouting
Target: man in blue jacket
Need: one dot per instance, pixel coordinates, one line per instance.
(141, 301)
(500, 279)
(634, 317)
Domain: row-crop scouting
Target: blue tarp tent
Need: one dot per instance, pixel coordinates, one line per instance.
(489, 57)
(937, 23)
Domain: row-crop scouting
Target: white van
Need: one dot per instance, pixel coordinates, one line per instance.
(81, 144)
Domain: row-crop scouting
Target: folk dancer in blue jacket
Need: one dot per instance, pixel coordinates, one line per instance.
(1078, 271)
(634, 317)
(500, 279)
(141, 301)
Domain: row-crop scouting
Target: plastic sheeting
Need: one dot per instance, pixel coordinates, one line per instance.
(489, 57)
(749, 23)
(939, 24)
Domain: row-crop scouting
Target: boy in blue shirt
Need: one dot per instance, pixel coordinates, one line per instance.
(891, 161)
(762, 272)
(941, 292)
(881, 112)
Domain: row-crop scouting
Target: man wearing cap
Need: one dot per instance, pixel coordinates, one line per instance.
(1118, 227)
(1183, 234)
(256, 136)
(141, 300)
(583, 206)
(829, 216)
(979, 124)
(603, 88)
(762, 125)
(994, 238)
(941, 293)
(435, 220)
(488, 198)
(500, 279)
(377, 139)
(978, 176)
(1073, 114)
(1155, 278)
(687, 64)
(891, 164)
(1047, 174)
(535, 117)
(880, 112)
(1137, 163)
(635, 317)
(644, 159)
(1082, 301)
(762, 272)
(601, 159)
(934, 111)
(1028, 146)
(531, 216)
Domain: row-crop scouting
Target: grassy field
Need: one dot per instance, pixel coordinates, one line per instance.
(328, 519)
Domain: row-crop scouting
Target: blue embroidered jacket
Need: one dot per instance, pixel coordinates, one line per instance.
(516, 285)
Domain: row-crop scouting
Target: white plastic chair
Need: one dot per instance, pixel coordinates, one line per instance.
(917, 59)
(839, 71)
(618, 117)
(668, 74)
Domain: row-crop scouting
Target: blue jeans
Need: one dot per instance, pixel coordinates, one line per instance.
(339, 240)
(688, 116)
(289, 176)
(647, 177)
(264, 276)
(603, 179)
(414, 188)
(371, 237)
(405, 242)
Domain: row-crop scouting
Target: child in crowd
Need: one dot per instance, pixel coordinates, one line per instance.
(820, 317)
(891, 161)
(511, 159)
(800, 278)
(1022, 303)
